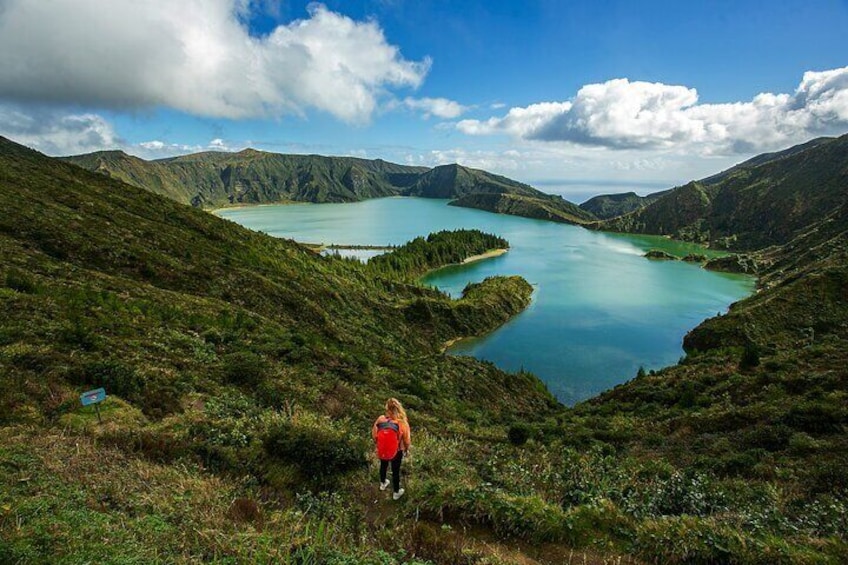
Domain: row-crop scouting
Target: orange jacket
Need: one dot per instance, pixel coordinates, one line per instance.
(405, 435)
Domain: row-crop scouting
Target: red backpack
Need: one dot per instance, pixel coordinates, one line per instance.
(388, 440)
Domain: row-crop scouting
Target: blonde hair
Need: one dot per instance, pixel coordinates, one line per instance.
(395, 411)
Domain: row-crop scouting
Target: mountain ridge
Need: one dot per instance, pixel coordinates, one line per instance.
(213, 179)
(764, 201)
(606, 206)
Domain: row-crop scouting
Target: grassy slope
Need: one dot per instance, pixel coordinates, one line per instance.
(766, 201)
(212, 179)
(541, 207)
(456, 181)
(208, 337)
(715, 460)
(606, 206)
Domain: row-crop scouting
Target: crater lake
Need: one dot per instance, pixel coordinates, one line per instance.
(600, 309)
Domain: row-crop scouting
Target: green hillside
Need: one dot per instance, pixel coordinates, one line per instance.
(171, 308)
(456, 181)
(766, 201)
(764, 158)
(607, 206)
(79, 242)
(214, 179)
(539, 206)
(244, 373)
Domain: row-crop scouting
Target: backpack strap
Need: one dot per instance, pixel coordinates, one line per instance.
(389, 424)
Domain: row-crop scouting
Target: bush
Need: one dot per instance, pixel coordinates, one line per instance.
(20, 281)
(828, 477)
(750, 356)
(244, 368)
(518, 434)
(680, 493)
(688, 540)
(117, 378)
(768, 437)
(319, 454)
(817, 417)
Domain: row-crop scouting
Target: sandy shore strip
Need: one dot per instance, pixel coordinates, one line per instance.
(486, 255)
(451, 342)
(250, 205)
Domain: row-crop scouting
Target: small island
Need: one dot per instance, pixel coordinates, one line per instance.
(421, 255)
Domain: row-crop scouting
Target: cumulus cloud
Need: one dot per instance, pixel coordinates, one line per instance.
(196, 56)
(521, 122)
(506, 161)
(156, 148)
(623, 114)
(57, 133)
(439, 107)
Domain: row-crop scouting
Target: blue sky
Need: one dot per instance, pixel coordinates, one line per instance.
(578, 98)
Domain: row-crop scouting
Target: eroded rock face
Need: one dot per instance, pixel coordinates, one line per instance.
(659, 254)
(745, 264)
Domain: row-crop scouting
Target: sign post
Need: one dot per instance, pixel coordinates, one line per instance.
(95, 397)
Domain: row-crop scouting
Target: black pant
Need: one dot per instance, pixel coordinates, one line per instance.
(384, 465)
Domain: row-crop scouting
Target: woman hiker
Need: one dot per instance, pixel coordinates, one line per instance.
(391, 433)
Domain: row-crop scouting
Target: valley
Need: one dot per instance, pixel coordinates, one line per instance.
(234, 361)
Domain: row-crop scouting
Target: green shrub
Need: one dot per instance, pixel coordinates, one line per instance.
(244, 368)
(319, 454)
(768, 437)
(680, 493)
(750, 356)
(828, 477)
(116, 377)
(589, 522)
(688, 540)
(80, 334)
(20, 281)
(817, 417)
(518, 433)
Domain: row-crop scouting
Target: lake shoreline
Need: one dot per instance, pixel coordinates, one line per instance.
(596, 306)
(215, 211)
(486, 255)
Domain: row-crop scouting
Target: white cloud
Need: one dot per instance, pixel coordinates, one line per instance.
(196, 56)
(521, 122)
(439, 107)
(58, 133)
(55, 133)
(157, 149)
(622, 114)
(154, 145)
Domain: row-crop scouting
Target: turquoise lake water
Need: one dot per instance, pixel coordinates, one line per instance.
(600, 310)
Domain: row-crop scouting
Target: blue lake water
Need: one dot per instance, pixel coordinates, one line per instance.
(600, 310)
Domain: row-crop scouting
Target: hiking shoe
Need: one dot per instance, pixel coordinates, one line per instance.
(384, 484)
(398, 494)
